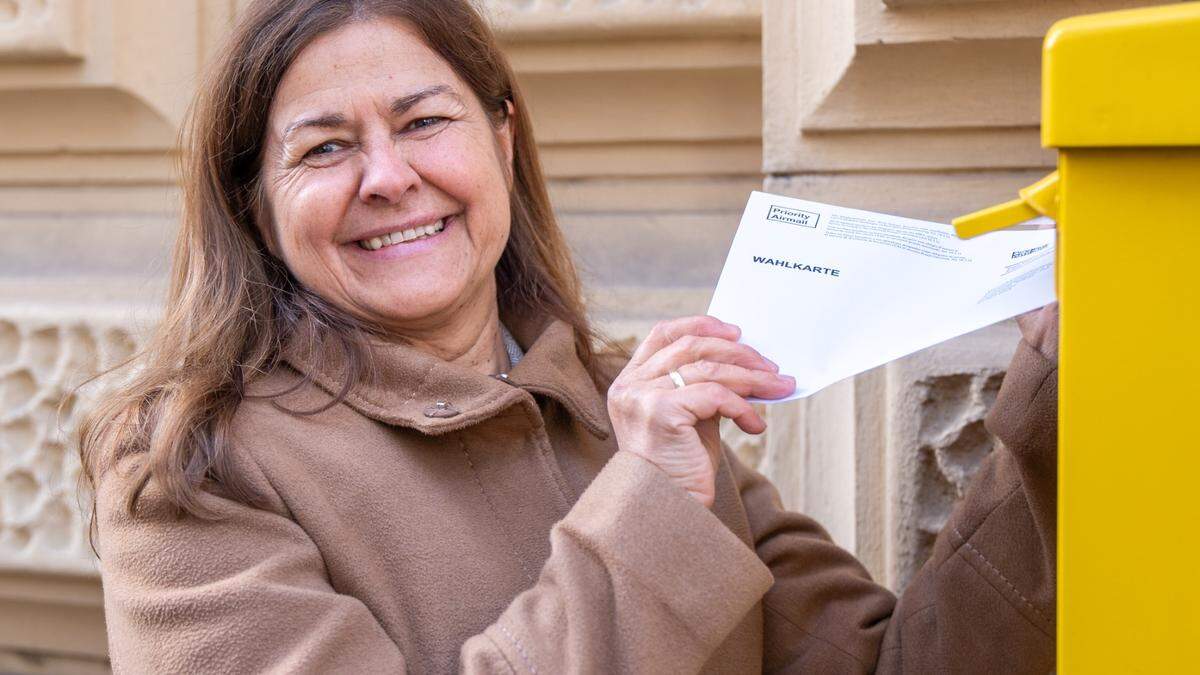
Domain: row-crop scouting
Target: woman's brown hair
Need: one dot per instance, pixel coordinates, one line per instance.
(232, 306)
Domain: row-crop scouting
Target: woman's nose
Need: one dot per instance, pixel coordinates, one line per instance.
(387, 175)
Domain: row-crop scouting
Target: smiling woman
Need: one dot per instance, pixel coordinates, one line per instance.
(373, 431)
(359, 156)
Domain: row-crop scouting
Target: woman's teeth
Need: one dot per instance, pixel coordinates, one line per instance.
(401, 236)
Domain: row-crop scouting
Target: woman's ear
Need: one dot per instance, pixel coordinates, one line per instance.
(504, 138)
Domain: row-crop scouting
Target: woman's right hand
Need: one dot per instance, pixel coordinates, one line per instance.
(675, 428)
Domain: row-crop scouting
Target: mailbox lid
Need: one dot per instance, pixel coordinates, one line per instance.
(1125, 78)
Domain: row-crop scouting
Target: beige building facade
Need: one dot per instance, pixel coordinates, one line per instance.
(656, 118)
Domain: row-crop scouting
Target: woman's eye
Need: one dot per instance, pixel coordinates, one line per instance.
(324, 149)
(426, 122)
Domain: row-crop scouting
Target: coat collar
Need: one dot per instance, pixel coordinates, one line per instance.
(409, 384)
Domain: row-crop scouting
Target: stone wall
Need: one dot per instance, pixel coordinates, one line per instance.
(655, 119)
(50, 604)
(922, 108)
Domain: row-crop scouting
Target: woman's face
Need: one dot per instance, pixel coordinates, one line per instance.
(386, 182)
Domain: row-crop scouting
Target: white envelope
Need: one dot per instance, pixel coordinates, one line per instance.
(828, 292)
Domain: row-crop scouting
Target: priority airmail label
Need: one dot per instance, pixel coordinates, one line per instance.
(792, 216)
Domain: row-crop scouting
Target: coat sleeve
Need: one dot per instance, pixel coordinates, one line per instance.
(987, 593)
(641, 578)
(249, 592)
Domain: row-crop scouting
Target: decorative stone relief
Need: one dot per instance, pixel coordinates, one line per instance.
(41, 364)
(951, 444)
(40, 30)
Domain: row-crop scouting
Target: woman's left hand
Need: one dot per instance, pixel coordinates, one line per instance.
(1039, 328)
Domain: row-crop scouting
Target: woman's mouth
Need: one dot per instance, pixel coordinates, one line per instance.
(402, 236)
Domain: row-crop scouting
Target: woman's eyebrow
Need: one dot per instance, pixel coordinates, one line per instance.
(398, 107)
(330, 121)
(402, 104)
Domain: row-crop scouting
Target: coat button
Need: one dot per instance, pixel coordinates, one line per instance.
(441, 409)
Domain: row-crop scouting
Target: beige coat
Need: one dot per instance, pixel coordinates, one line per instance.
(505, 532)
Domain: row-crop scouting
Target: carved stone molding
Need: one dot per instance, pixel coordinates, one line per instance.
(639, 87)
(41, 30)
(92, 91)
(925, 84)
(917, 3)
(83, 136)
(536, 19)
(42, 360)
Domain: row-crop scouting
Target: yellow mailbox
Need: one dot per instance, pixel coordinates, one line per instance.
(1121, 102)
